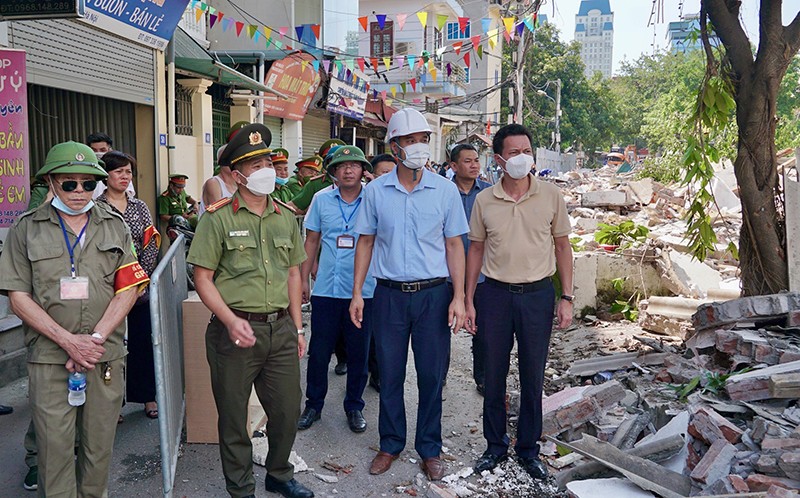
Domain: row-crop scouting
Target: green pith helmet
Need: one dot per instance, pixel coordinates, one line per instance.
(72, 157)
(348, 153)
(235, 127)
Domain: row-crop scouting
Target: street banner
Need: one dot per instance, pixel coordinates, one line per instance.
(348, 93)
(293, 76)
(14, 158)
(149, 22)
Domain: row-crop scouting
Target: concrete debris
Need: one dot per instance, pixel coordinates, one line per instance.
(754, 385)
(261, 448)
(605, 198)
(694, 275)
(436, 491)
(326, 478)
(757, 309)
(668, 315)
(606, 488)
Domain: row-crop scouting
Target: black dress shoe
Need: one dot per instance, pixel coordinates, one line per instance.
(488, 461)
(480, 388)
(5, 410)
(307, 419)
(533, 466)
(375, 383)
(341, 368)
(356, 421)
(289, 489)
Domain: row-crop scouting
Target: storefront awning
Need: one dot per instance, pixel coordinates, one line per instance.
(191, 56)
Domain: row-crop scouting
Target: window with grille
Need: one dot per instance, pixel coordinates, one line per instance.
(454, 31)
(381, 41)
(183, 111)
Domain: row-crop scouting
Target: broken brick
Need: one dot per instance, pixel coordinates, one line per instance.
(789, 462)
(727, 342)
(754, 385)
(708, 425)
(760, 482)
(738, 483)
(716, 463)
(764, 353)
(780, 444)
(768, 464)
(778, 492)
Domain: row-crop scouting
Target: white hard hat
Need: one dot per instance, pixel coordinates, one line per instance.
(405, 122)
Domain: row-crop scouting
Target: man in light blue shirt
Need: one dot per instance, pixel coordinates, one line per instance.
(330, 223)
(411, 225)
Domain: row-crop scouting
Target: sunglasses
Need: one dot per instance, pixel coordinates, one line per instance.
(72, 185)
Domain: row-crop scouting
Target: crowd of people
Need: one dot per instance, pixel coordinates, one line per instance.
(430, 254)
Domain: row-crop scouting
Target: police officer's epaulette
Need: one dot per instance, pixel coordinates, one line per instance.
(281, 203)
(321, 175)
(222, 202)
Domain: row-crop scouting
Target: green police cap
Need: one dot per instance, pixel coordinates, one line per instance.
(72, 157)
(249, 142)
(326, 147)
(348, 153)
(280, 155)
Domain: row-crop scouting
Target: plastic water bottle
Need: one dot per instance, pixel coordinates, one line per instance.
(77, 388)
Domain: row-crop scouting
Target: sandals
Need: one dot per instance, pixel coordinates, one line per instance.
(151, 413)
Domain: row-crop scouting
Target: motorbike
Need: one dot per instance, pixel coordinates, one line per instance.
(178, 225)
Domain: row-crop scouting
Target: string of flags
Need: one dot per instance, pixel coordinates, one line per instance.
(464, 44)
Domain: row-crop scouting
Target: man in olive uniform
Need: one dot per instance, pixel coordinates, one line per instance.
(302, 200)
(176, 202)
(280, 161)
(247, 253)
(71, 275)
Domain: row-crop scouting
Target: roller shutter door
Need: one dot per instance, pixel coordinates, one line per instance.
(276, 127)
(316, 131)
(73, 56)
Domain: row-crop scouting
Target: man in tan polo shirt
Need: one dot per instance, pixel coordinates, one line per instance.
(519, 233)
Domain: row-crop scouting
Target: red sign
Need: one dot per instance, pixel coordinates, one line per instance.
(14, 172)
(294, 77)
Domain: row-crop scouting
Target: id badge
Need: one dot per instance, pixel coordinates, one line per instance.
(73, 288)
(345, 242)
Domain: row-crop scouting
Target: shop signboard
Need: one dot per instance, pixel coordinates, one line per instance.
(149, 22)
(14, 152)
(295, 78)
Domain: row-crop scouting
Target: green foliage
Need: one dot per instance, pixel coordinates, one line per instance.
(625, 234)
(787, 133)
(575, 242)
(628, 307)
(710, 382)
(663, 169)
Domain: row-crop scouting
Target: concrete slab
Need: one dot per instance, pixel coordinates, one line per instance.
(694, 274)
(606, 488)
(605, 198)
(679, 425)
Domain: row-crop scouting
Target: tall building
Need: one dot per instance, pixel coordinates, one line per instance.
(684, 35)
(594, 29)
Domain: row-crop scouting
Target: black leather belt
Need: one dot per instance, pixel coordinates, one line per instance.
(520, 288)
(261, 317)
(411, 286)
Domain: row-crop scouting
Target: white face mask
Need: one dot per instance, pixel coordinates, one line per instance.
(261, 182)
(417, 155)
(519, 166)
(99, 154)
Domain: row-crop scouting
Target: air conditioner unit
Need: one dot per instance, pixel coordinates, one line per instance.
(404, 48)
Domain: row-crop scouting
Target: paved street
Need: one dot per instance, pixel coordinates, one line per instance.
(136, 470)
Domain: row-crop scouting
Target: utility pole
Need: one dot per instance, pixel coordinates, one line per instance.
(520, 71)
(558, 115)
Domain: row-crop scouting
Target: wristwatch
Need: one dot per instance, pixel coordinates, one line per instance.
(568, 297)
(301, 332)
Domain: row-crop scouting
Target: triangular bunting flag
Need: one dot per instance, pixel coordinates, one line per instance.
(315, 30)
(374, 63)
(360, 61)
(283, 30)
(203, 6)
(278, 44)
(387, 61)
(256, 34)
(509, 24)
(350, 64)
(267, 33)
(394, 92)
(466, 59)
(363, 21)
(486, 24)
(492, 38)
(449, 69)
(441, 50)
(463, 22)
(220, 15)
(211, 20)
(528, 20)
(423, 19)
(299, 30)
(413, 82)
(403, 86)
(480, 51)
(441, 19)
(212, 10)
(423, 79)
(239, 27)
(476, 41)
(536, 20)
(315, 65)
(198, 14)
(303, 65)
(193, 4)
(401, 20)
(399, 59)
(251, 29)
(338, 65)
(412, 61)
(457, 47)
(416, 101)
(446, 100)
(383, 94)
(381, 20)
(519, 28)
(226, 23)
(431, 67)
(433, 74)
(508, 36)
(326, 64)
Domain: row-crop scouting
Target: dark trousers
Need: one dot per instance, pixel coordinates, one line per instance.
(330, 322)
(141, 373)
(421, 317)
(478, 360)
(501, 315)
(273, 368)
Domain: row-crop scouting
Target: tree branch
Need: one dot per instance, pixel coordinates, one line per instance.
(725, 17)
(791, 34)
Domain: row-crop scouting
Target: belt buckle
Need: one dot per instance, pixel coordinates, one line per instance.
(271, 317)
(516, 288)
(409, 286)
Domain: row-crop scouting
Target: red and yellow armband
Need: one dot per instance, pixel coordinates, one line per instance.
(151, 235)
(130, 275)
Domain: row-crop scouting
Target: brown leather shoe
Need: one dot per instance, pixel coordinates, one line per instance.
(381, 463)
(433, 468)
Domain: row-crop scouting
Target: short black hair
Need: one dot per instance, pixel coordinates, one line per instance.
(380, 158)
(458, 149)
(99, 136)
(506, 131)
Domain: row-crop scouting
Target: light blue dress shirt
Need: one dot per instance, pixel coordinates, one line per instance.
(467, 201)
(410, 227)
(332, 216)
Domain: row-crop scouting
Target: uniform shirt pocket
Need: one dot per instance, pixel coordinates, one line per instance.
(242, 254)
(46, 264)
(108, 261)
(283, 249)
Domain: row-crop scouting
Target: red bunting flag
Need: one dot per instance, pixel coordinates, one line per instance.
(239, 28)
(360, 61)
(457, 47)
(466, 59)
(476, 41)
(374, 63)
(413, 82)
(463, 22)
(363, 21)
(315, 29)
(220, 15)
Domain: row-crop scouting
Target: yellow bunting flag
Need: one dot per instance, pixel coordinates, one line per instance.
(394, 91)
(509, 23)
(441, 19)
(198, 13)
(423, 18)
(387, 61)
(433, 73)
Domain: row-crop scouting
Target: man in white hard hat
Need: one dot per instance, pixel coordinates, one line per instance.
(412, 222)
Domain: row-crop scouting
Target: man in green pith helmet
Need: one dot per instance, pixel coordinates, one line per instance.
(176, 202)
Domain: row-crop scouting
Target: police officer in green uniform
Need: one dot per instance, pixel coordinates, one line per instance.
(175, 201)
(280, 161)
(71, 275)
(302, 200)
(246, 253)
